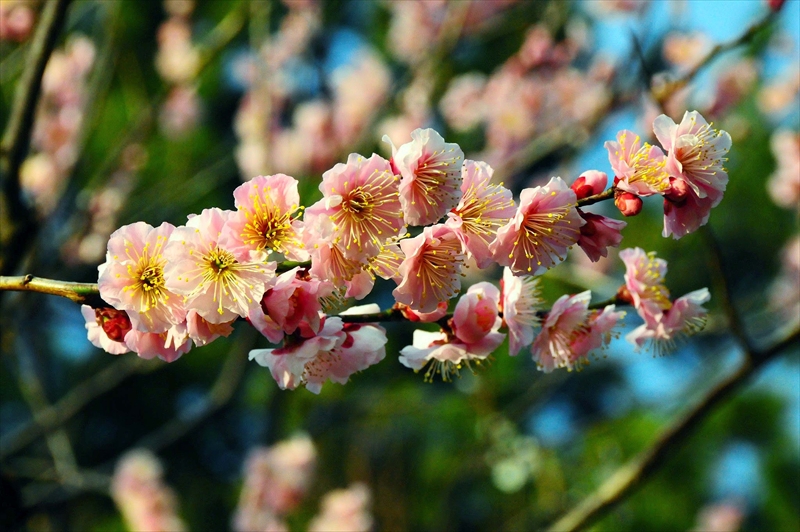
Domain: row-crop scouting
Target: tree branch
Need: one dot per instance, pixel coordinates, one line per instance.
(62, 411)
(639, 469)
(17, 136)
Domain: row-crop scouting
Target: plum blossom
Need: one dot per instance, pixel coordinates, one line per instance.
(538, 235)
(639, 168)
(784, 294)
(106, 328)
(293, 301)
(132, 278)
(784, 183)
(335, 353)
(476, 313)
(598, 233)
(203, 332)
(462, 104)
(431, 176)
(685, 317)
(425, 317)
(695, 153)
(276, 481)
(169, 346)
(684, 211)
(138, 490)
(264, 220)
(361, 199)
(430, 271)
(521, 304)
(211, 280)
(444, 355)
(644, 282)
(350, 276)
(482, 210)
(345, 509)
(570, 331)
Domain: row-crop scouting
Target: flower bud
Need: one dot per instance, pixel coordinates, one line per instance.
(775, 5)
(590, 183)
(677, 191)
(115, 323)
(628, 204)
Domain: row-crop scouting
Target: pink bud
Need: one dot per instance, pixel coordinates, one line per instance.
(677, 191)
(590, 183)
(628, 204)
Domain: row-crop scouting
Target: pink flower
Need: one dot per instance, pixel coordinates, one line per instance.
(294, 300)
(361, 200)
(344, 510)
(138, 490)
(482, 210)
(106, 328)
(276, 481)
(566, 320)
(329, 263)
(132, 278)
(338, 351)
(598, 233)
(640, 168)
(430, 271)
(208, 275)
(571, 331)
(684, 318)
(424, 317)
(264, 220)
(784, 183)
(445, 356)
(590, 183)
(521, 305)
(462, 104)
(684, 212)
(476, 312)
(431, 176)
(644, 281)
(169, 346)
(538, 235)
(597, 334)
(696, 153)
(202, 332)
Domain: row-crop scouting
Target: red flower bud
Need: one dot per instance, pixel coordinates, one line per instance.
(775, 5)
(628, 204)
(115, 323)
(590, 183)
(677, 191)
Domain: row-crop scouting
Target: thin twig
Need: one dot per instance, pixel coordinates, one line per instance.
(723, 288)
(664, 93)
(17, 136)
(81, 293)
(62, 411)
(640, 468)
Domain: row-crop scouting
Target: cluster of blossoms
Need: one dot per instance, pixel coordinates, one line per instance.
(178, 63)
(278, 479)
(59, 121)
(276, 78)
(172, 287)
(690, 176)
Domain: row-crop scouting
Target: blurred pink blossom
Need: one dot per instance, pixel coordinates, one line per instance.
(344, 510)
(784, 183)
(146, 503)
